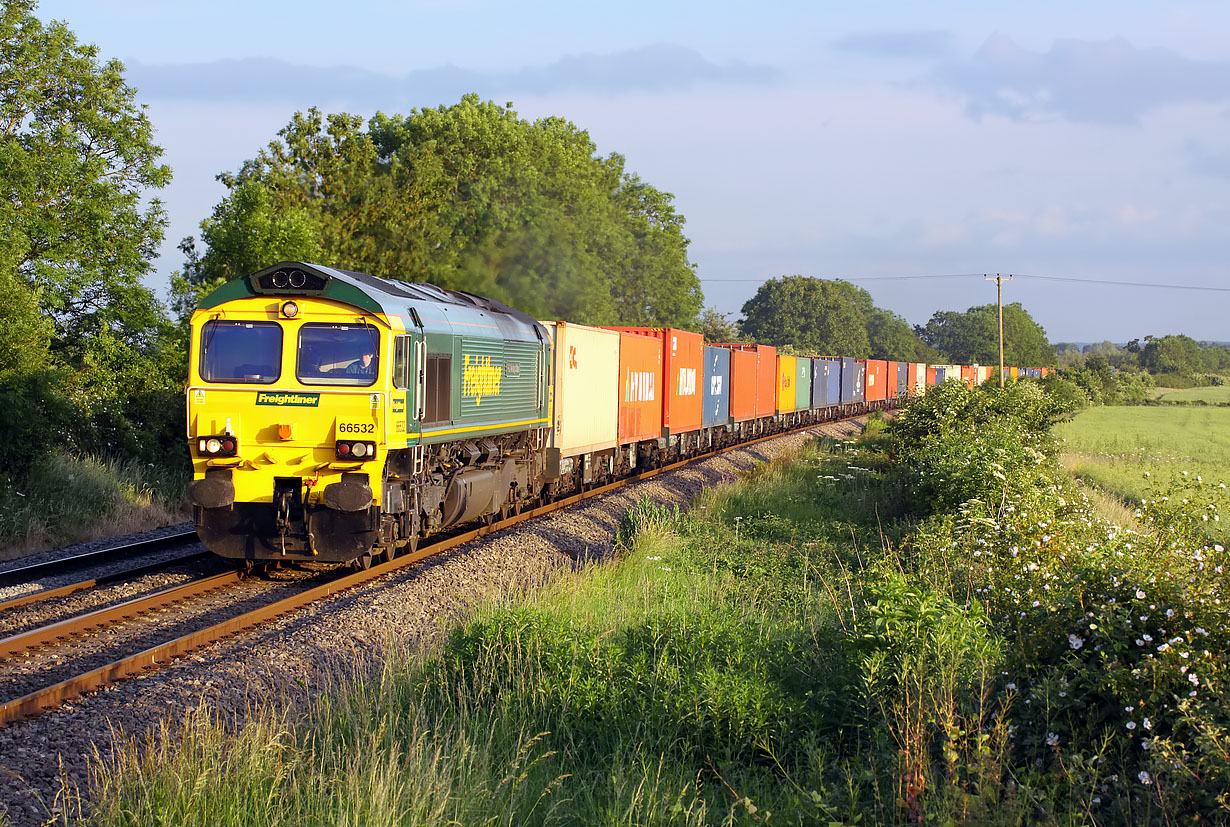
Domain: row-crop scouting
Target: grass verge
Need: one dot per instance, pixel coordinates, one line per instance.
(73, 499)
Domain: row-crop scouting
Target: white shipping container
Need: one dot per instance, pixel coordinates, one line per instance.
(586, 387)
(920, 379)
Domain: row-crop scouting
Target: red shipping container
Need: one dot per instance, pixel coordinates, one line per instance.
(877, 379)
(683, 364)
(969, 375)
(640, 388)
(911, 376)
(763, 397)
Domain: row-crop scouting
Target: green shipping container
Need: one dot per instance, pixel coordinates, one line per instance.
(802, 382)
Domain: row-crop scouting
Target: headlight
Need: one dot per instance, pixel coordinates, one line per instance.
(213, 446)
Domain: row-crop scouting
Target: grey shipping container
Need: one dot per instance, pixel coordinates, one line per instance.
(853, 377)
(825, 382)
(902, 384)
(717, 386)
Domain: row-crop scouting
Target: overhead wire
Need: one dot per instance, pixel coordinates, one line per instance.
(1070, 279)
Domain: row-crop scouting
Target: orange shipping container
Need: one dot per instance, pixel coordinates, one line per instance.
(877, 379)
(1014, 373)
(683, 366)
(753, 371)
(640, 388)
(787, 399)
(968, 375)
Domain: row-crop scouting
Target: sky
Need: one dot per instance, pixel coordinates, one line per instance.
(869, 141)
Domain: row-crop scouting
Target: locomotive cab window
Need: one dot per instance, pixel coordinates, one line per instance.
(338, 354)
(249, 352)
(401, 362)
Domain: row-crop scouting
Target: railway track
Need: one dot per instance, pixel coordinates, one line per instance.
(38, 571)
(49, 697)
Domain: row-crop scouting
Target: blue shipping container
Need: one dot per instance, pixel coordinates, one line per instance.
(825, 382)
(903, 378)
(717, 386)
(853, 377)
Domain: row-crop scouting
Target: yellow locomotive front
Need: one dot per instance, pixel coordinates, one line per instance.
(290, 407)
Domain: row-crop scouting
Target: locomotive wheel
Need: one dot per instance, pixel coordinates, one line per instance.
(363, 562)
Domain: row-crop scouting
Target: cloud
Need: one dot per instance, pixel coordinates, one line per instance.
(925, 44)
(1109, 82)
(655, 68)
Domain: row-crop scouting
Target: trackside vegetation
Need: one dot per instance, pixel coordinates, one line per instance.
(933, 625)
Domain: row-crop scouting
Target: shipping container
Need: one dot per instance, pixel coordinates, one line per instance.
(968, 375)
(716, 386)
(640, 388)
(825, 381)
(786, 398)
(946, 372)
(802, 383)
(1013, 373)
(984, 373)
(916, 378)
(586, 384)
(902, 387)
(683, 368)
(853, 375)
(877, 379)
(753, 371)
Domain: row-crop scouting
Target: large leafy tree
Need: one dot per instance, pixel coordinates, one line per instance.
(824, 317)
(81, 337)
(468, 197)
(1171, 354)
(972, 337)
(77, 160)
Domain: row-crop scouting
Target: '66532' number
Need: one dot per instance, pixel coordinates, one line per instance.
(356, 428)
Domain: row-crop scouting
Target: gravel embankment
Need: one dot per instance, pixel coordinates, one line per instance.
(40, 758)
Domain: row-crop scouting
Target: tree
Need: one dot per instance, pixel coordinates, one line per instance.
(77, 159)
(79, 333)
(972, 337)
(891, 337)
(716, 327)
(814, 315)
(1171, 354)
(468, 197)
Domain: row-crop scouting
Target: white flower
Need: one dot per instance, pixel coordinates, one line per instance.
(1144, 776)
(1052, 739)
(1140, 595)
(1130, 725)
(1012, 687)
(1148, 724)
(1075, 642)
(1191, 676)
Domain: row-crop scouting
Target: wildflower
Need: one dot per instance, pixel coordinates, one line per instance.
(1144, 776)
(653, 558)
(1075, 642)
(1140, 595)
(1148, 725)
(1192, 677)
(1011, 687)
(1052, 739)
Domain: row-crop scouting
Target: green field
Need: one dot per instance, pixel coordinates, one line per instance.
(1113, 447)
(1209, 394)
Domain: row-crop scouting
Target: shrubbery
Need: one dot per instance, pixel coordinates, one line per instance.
(1114, 641)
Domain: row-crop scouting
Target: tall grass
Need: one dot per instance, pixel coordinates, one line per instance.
(68, 499)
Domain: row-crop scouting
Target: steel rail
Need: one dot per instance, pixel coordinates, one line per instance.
(27, 574)
(115, 577)
(101, 618)
(39, 701)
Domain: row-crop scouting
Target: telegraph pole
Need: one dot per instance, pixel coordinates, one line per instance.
(999, 295)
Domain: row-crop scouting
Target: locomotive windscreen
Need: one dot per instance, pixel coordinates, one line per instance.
(331, 354)
(241, 352)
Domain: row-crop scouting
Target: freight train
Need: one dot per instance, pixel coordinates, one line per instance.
(341, 417)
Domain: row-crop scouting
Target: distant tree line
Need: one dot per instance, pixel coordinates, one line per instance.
(1174, 359)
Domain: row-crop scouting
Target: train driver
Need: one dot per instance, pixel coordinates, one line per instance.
(365, 365)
